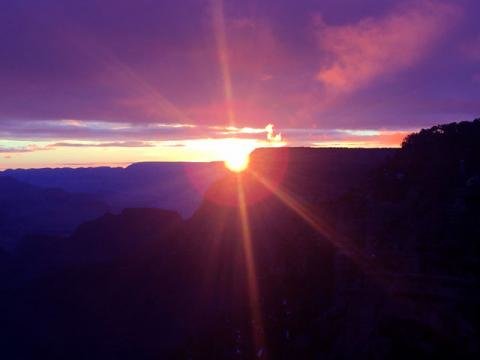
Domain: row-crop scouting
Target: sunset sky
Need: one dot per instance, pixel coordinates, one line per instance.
(114, 82)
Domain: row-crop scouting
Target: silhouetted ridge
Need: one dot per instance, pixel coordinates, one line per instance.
(322, 174)
(27, 209)
(167, 185)
(448, 154)
(320, 156)
(132, 232)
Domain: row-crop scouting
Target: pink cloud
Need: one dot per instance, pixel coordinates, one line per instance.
(374, 47)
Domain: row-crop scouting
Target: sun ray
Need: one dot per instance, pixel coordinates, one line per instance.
(222, 52)
(344, 245)
(253, 293)
(162, 105)
(119, 71)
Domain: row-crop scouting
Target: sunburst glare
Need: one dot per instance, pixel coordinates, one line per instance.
(237, 160)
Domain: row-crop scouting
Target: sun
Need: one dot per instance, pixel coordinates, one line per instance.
(237, 159)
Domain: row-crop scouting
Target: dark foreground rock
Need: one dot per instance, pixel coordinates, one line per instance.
(373, 256)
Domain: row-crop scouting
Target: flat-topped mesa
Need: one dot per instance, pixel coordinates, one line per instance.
(320, 156)
(318, 172)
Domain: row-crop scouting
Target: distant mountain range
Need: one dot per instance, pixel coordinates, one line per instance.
(166, 185)
(56, 201)
(27, 209)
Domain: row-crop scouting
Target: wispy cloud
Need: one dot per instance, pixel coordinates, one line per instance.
(103, 144)
(42, 135)
(22, 149)
(373, 47)
(95, 130)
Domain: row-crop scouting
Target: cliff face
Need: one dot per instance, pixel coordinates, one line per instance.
(383, 265)
(319, 174)
(417, 220)
(265, 274)
(418, 217)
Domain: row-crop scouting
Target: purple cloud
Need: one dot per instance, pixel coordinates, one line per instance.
(104, 144)
(393, 65)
